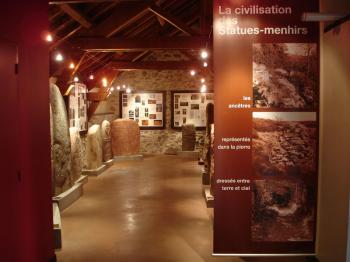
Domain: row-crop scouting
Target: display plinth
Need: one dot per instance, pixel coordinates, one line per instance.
(68, 197)
(209, 198)
(189, 154)
(95, 172)
(205, 176)
(126, 158)
(109, 163)
(82, 180)
(201, 162)
(57, 226)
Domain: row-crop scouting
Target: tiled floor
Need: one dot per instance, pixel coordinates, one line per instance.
(144, 210)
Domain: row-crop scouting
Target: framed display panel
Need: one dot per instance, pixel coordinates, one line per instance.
(147, 108)
(189, 107)
(77, 107)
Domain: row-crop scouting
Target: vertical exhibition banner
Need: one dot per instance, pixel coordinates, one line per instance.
(266, 62)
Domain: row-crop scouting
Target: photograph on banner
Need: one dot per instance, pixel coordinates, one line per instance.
(282, 210)
(284, 144)
(285, 75)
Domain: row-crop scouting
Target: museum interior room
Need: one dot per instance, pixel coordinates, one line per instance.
(111, 151)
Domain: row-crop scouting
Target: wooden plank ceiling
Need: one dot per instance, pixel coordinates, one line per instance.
(106, 37)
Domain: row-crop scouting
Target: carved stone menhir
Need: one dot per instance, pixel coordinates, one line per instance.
(76, 144)
(207, 139)
(94, 148)
(211, 168)
(125, 137)
(106, 141)
(61, 145)
(188, 137)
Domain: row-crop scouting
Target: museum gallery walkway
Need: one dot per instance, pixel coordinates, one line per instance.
(146, 210)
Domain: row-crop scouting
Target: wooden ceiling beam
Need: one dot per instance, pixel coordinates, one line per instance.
(101, 44)
(66, 37)
(122, 16)
(76, 15)
(155, 65)
(172, 20)
(77, 66)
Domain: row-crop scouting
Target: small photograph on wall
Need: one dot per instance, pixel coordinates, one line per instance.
(195, 97)
(159, 108)
(144, 107)
(285, 75)
(137, 99)
(158, 122)
(194, 106)
(282, 211)
(284, 144)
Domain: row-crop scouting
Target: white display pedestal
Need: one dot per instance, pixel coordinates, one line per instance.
(209, 198)
(95, 172)
(125, 158)
(68, 197)
(57, 226)
(109, 163)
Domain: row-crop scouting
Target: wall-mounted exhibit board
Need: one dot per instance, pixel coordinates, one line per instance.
(77, 107)
(189, 107)
(266, 127)
(146, 108)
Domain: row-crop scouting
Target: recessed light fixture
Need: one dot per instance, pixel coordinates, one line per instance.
(204, 54)
(59, 57)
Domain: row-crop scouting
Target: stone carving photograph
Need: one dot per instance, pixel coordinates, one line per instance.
(284, 144)
(282, 211)
(285, 75)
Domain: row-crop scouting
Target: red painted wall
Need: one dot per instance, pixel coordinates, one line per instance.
(26, 211)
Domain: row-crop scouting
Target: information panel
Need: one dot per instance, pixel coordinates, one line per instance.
(146, 108)
(266, 127)
(189, 107)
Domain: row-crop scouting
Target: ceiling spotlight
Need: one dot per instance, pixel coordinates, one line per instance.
(71, 65)
(76, 79)
(203, 88)
(49, 38)
(124, 86)
(112, 88)
(118, 87)
(91, 77)
(104, 82)
(193, 72)
(128, 90)
(202, 80)
(205, 64)
(59, 57)
(204, 54)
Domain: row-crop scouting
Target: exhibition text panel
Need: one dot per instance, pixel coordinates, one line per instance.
(266, 63)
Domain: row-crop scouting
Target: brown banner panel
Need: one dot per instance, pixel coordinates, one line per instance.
(266, 62)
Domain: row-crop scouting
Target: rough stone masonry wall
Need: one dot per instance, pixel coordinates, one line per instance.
(155, 141)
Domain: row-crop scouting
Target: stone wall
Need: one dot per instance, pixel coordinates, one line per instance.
(154, 141)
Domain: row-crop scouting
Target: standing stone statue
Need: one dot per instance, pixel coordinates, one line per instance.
(76, 145)
(211, 167)
(125, 137)
(207, 140)
(61, 147)
(106, 141)
(94, 148)
(188, 137)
